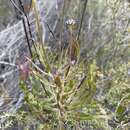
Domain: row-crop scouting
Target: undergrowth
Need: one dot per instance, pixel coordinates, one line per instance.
(84, 85)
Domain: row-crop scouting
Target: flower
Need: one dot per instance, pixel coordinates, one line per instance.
(24, 70)
(71, 24)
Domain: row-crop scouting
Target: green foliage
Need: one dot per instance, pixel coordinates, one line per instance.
(60, 94)
(86, 84)
(61, 91)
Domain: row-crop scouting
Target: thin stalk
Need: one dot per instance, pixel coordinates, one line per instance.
(16, 7)
(82, 18)
(60, 104)
(28, 23)
(62, 22)
(33, 43)
(50, 30)
(40, 39)
(61, 33)
(25, 29)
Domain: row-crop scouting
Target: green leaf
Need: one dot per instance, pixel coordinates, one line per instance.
(120, 110)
